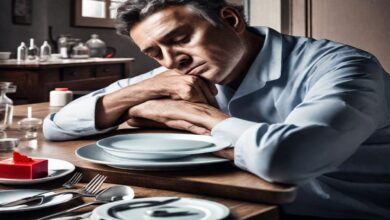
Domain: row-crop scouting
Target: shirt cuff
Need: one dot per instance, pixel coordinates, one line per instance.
(231, 129)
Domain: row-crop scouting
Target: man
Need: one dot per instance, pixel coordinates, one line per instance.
(297, 110)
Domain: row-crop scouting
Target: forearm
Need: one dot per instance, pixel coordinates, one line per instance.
(111, 108)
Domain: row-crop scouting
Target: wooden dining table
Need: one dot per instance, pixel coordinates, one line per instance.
(246, 195)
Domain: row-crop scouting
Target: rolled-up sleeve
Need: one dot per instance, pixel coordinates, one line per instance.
(77, 119)
(342, 107)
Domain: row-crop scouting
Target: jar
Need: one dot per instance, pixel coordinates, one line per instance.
(60, 97)
(96, 46)
(80, 51)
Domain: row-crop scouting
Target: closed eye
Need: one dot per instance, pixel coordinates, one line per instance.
(180, 39)
(153, 53)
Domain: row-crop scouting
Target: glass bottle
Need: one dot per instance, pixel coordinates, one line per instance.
(22, 53)
(96, 46)
(45, 52)
(30, 125)
(6, 106)
(62, 47)
(33, 52)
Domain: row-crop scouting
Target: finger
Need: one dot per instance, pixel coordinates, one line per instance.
(144, 123)
(151, 110)
(225, 153)
(212, 87)
(166, 73)
(200, 94)
(187, 126)
(207, 92)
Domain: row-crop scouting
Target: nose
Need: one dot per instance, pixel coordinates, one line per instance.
(175, 59)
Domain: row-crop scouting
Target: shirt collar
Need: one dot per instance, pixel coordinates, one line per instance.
(267, 65)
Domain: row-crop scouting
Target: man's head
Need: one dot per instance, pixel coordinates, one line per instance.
(197, 37)
(133, 11)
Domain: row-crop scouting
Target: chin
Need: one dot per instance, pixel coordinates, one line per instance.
(209, 78)
(212, 75)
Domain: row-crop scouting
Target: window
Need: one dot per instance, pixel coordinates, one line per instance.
(95, 13)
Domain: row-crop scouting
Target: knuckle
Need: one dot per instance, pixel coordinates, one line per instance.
(134, 111)
(130, 122)
(187, 96)
(187, 89)
(192, 79)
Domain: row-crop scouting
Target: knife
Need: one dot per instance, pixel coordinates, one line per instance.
(25, 200)
(36, 199)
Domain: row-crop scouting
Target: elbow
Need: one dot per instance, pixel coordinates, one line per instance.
(49, 133)
(52, 133)
(285, 166)
(282, 174)
(50, 136)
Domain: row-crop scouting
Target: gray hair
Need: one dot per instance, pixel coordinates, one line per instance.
(131, 12)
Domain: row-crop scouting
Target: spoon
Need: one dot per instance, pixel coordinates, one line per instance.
(111, 194)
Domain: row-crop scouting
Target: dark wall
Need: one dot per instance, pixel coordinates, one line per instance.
(11, 35)
(57, 13)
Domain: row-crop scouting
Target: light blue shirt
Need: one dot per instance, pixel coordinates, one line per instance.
(308, 112)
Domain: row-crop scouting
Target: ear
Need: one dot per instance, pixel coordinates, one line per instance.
(232, 18)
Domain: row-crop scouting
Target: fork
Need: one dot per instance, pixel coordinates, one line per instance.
(73, 181)
(89, 190)
(67, 185)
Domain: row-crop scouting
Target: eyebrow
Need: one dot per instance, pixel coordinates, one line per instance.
(166, 37)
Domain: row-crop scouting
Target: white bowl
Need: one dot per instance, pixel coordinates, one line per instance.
(5, 55)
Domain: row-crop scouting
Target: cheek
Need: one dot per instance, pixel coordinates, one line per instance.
(223, 54)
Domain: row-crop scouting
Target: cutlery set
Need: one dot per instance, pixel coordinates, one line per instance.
(133, 151)
(117, 202)
(91, 189)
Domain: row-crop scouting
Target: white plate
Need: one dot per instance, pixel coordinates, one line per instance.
(12, 195)
(95, 154)
(158, 142)
(200, 210)
(160, 146)
(56, 169)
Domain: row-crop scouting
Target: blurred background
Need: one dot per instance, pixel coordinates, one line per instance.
(85, 28)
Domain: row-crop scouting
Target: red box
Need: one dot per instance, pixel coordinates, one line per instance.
(23, 170)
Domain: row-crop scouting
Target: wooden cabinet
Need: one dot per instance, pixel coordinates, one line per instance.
(34, 81)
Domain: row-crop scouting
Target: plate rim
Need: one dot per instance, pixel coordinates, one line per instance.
(224, 209)
(219, 144)
(39, 180)
(121, 164)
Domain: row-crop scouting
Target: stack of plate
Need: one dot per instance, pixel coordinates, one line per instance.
(153, 151)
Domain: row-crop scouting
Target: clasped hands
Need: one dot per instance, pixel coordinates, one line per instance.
(185, 102)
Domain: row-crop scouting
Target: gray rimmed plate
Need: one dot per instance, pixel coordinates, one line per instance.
(95, 154)
(56, 169)
(182, 209)
(160, 146)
